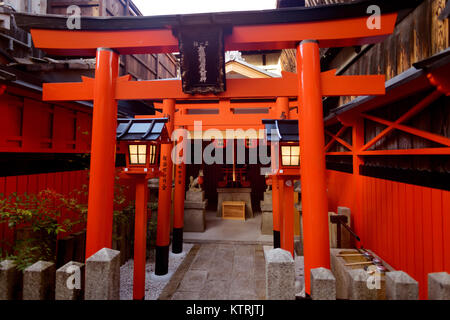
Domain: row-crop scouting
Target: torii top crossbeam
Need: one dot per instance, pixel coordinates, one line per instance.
(338, 25)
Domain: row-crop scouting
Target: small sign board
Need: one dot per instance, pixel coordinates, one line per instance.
(202, 59)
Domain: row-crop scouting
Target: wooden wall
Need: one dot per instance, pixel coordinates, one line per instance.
(408, 226)
(420, 35)
(141, 66)
(29, 125)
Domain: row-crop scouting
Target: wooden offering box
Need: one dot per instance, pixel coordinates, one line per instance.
(234, 210)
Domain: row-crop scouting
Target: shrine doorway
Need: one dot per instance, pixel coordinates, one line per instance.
(217, 179)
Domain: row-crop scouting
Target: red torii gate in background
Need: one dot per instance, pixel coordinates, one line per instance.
(309, 85)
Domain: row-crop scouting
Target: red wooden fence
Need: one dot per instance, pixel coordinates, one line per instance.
(60, 182)
(406, 225)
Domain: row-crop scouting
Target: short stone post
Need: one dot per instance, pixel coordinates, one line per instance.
(39, 281)
(70, 281)
(194, 211)
(359, 286)
(400, 286)
(439, 286)
(9, 280)
(103, 275)
(323, 284)
(280, 275)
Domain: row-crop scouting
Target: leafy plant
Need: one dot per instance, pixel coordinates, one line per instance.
(36, 220)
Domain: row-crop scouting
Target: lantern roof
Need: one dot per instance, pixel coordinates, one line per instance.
(281, 130)
(151, 129)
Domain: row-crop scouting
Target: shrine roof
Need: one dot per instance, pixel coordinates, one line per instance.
(239, 18)
(130, 129)
(281, 130)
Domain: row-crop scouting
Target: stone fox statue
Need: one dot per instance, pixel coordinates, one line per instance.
(194, 184)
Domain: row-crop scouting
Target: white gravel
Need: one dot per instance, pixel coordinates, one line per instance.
(154, 284)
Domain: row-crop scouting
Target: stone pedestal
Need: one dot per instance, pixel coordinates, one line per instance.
(39, 281)
(267, 214)
(439, 286)
(400, 286)
(195, 211)
(103, 275)
(9, 280)
(358, 288)
(235, 194)
(342, 273)
(323, 284)
(70, 281)
(280, 275)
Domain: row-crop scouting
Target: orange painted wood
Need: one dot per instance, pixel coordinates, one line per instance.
(406, 152)
(396, 223)
(286, 86)
(165, 181)
(427, 231)
(30, 125)
(140, 239)
(340, 33)
(418, 234)
(103, 153)
(410, 232)
(349, 85)
(312, 157)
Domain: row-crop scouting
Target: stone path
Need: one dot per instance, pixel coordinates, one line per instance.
(222, 272)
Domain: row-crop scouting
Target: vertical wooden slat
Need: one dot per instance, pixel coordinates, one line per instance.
(418, 236)
(3, 226)
(410, 230)
(446, 228)
(383, 221)
(374, 219)
(400, 210)
(33, 184)
(427, 231)
(437, 229)
(22, 184)
(397, 245)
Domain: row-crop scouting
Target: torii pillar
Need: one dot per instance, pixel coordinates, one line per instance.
(103, 153)
(178, 201)
(165, 196)
(282, 112)
(312, 160)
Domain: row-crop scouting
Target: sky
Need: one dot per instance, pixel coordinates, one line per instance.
(161, 7)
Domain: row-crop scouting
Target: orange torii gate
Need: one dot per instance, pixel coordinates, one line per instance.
(306, 29)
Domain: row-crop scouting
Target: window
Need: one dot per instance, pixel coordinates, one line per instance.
(290, 155)
(138, 153)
